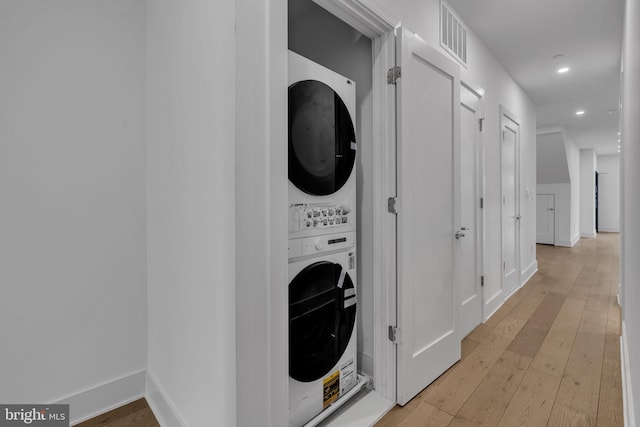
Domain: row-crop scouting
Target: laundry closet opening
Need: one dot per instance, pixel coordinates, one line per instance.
(321, 37)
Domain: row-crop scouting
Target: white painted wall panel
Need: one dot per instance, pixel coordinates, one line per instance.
(587, 192)
(191, 207)
(630, 93)
(72, 197)
(609, 193)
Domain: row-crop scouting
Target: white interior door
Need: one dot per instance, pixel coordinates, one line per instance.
(545, 219)
(428, 97)
(510, 211)
(469, 248)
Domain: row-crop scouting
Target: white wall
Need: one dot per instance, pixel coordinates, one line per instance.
(630, 272)
(609, 193)
(191, 211)
(72, 251)
(573, 162)
(551, 154)
(318, 35)
(562, 211)
(588, 162)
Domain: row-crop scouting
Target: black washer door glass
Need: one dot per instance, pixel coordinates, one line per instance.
(322, 141)
(319, 324)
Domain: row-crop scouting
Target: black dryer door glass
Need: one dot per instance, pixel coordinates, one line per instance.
(322, 141)
(321, 320)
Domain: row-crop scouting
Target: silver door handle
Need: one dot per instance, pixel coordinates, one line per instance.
(550, 209)
(518, 217)
(459, 234)
(465, 228)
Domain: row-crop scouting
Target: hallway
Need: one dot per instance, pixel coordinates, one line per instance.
(549, 356)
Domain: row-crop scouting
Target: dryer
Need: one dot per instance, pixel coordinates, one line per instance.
(322, 150)
(322, 323)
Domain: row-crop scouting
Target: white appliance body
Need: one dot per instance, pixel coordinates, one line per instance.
(321, 141)
(329, 264)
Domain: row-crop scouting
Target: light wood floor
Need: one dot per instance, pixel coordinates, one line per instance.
(550, 356)
(135, 414)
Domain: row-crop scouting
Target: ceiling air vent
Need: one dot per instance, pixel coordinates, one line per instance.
(453, 33)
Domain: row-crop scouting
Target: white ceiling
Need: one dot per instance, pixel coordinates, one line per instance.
(525, 35)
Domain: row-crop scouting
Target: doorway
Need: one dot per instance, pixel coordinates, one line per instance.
(510, 138)
(545, 219)
(470, 249)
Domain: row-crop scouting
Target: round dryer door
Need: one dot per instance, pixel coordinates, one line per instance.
(322, 141)
(322, 314)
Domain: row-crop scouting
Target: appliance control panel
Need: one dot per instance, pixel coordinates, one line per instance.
(318, 216)
(327, 243)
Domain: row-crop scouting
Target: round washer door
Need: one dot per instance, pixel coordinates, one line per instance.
(322, 314)
(322, 141)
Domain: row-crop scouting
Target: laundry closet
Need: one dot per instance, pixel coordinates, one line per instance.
(330, 208)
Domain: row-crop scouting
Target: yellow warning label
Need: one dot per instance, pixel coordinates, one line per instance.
(331, 389)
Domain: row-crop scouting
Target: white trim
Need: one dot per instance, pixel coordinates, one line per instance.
(384, 224)
(496, 309)
(609, 230)
(564, 243)
(589, 235)
(506, 113)
(575, 240)
(161, 405)
(529, 272)
(102, 398)
(627, 393)
(364, 17)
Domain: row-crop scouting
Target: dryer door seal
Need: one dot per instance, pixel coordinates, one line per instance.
(322, 141)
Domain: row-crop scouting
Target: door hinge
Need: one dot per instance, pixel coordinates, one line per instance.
(392, 205)
(481, 202)
(482, 281)
(395, 335)
(481, 123)
(393, 75)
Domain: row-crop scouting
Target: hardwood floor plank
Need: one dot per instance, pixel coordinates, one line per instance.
(455, 386)
(426, 415)
(533, 333)
(488, 402)
(533, 401)
(467, 346)
(562, 416)
(580, 385)
(610, 412)
(115, 416)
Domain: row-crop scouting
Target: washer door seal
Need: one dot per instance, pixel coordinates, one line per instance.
(322, 315)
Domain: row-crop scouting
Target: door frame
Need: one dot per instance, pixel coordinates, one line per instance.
(480, 222)
(505, 113)
(377, 25)
(555, 209)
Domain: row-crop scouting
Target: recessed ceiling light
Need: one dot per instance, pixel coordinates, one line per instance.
(579, 113)
(618, 133)
(563, 70)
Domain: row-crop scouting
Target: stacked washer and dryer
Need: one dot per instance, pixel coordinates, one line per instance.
(322, 238)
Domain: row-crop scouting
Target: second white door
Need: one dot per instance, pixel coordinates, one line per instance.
(545, 219)
(510, 212)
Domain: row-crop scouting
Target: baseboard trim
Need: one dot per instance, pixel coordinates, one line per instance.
(529, 272)
(103, 398)
(163, 408)
(575, 240)
(588, 235)
(608, 230)
(627, 394)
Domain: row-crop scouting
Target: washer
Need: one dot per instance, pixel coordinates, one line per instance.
(322, 323)
(322, 150)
